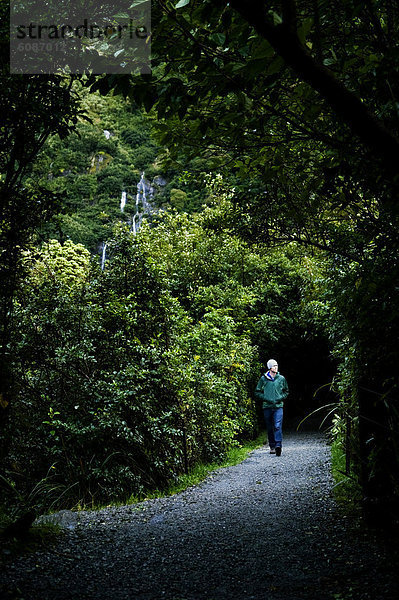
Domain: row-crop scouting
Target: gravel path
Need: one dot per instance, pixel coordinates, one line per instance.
(266, 529)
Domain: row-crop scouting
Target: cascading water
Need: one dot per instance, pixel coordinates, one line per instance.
(143, 207)
(123, 201)
(136, 216)
(103, 255)
(146, 207)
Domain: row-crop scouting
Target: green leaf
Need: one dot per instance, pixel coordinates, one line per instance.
(277, 20)
(182, 3)
(305, 29)
(138, 2)
(254, 67)
(276, 66)
(264, 50)
(219, 38)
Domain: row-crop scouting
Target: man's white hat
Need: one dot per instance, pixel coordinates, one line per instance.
(271, 363)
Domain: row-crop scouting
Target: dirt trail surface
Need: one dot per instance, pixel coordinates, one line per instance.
(266, 529)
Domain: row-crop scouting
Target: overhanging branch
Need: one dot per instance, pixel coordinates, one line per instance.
(369, 129)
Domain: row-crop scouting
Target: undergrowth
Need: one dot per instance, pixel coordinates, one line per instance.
(346, 489)
(233, 457)
(201, 471)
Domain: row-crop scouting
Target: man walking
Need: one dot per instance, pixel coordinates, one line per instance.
(272, 390)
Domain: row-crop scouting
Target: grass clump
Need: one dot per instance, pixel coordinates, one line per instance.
(346, 489)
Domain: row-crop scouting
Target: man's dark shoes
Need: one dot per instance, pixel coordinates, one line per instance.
(278, 450)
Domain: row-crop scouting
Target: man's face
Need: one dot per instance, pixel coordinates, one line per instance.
(274, 370)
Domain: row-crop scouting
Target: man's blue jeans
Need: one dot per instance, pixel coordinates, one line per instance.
(274, 426)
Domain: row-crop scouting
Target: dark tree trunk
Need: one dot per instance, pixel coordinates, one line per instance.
(8, 285)
(379, 460)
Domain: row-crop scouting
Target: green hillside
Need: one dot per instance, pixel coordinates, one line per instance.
(112, 146)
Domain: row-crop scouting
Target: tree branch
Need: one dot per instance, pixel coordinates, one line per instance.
(369, 129)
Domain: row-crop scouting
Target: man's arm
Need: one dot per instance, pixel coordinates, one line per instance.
(259, 388)
(285, 388)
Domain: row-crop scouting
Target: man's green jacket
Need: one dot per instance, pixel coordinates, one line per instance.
(272, 393)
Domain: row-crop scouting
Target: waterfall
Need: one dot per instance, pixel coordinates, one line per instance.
(143, 207)
(103, 256)
(123, 201)
(141, 189)
(146, 207)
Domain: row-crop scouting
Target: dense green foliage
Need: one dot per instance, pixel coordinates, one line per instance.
(112, 145)
(32, 109)
(131, 376)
